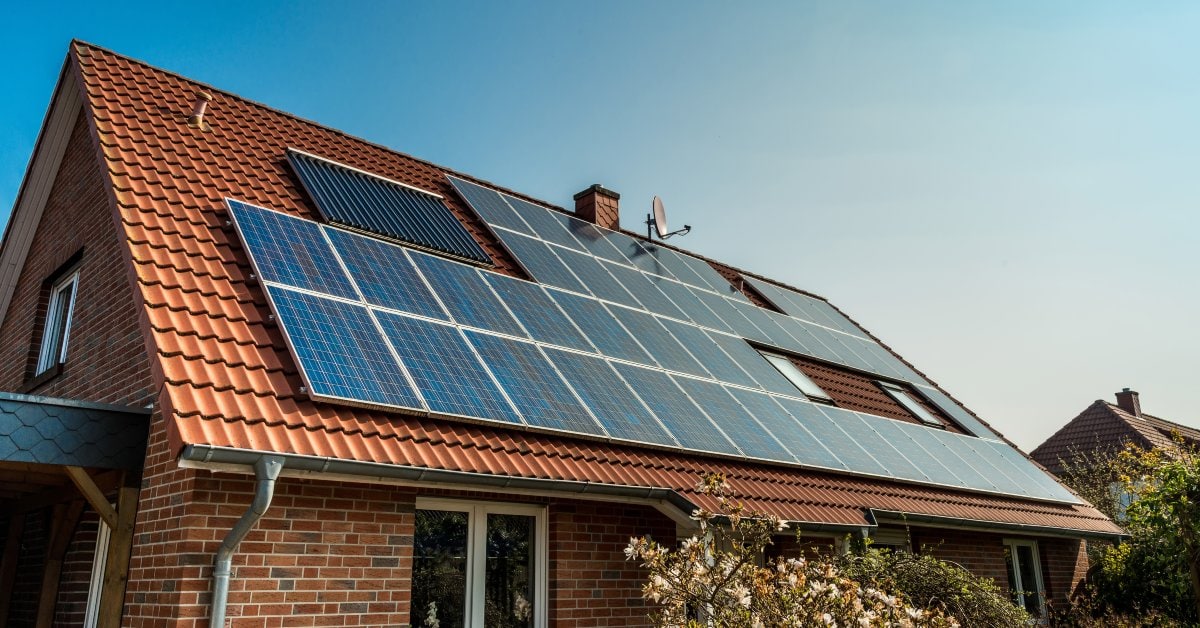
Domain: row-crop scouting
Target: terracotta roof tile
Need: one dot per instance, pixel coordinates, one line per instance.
(230, 381)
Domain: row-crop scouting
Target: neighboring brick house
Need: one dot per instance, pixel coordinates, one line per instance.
(211, 315)
(1107, 427)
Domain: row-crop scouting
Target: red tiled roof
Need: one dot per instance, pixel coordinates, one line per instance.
(228, 379)
(1105, 426)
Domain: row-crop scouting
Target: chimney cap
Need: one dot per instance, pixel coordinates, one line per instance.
(596, 188)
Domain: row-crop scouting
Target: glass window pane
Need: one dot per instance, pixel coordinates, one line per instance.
(795, 375)
(1029, 580)
(439, 578)
(508, 597)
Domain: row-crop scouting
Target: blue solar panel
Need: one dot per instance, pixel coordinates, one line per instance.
(547, 224)
(881, 450)
(711, 277)
(290, 250)
(490, 205)
(384, 274)
(902, 435)
(708, 353)
(537, 312)
(446, 370)
(824, 426)
(876, 358)
(955, 411)
(934, 442)
(694, 309)
(690, 426)
(735, 322)
(609, 398)
(363, 201)
(539, 260)
(596, 278)
(737, 423)
(1044, 484)
(674, 265)
(600, 327)
(805, 342)
(641, 254)
(595, 241)
(807, 445)
(665, 350)
(988, 461)
(466, 295)
(766, 376)
(638, 284)
(538, 391)
(778, 423)
(340, 350)
(771, 332)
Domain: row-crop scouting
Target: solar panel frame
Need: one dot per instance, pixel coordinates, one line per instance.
(859, 427)
(805, 443)
(316, 330)
(694, 309)
(383, 274)
(666, 351)
(537, 312)
(599, 326)
(547, 224)
(735, 321)
(610, 398)
(538, 390)
(540, 262)
(595, 277)
(708, 353)
(745, 430)
(466, 296)
(647, 294)
(489, 205)
(367, 201)
(686, 421)
(825, 427)
(289, 250)
(452, 378)
(929, 463)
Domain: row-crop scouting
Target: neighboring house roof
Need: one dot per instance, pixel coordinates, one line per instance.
(229, 380)
(1107, 426)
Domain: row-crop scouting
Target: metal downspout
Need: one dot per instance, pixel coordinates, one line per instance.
(266, 471)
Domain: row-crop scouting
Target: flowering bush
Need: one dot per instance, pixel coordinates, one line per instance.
(718, 578)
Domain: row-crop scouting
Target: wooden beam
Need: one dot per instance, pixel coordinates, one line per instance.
(106, 481)
(62, 528)
(8, 564)
(93, 494)
(116, 566)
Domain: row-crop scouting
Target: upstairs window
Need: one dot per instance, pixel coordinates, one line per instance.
(912, 405)
(56, 331)
(796, 377)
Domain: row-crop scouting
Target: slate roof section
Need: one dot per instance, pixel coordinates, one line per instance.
(42, 430)
(229, 381)
(1107, 426)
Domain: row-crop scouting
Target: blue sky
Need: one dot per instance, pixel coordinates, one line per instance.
(1003, 192)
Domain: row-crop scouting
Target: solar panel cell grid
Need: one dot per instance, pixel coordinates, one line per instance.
(596, 278)
(547, 224)
(825, 427)
(765, 376)
(595, 241)
(466, 295)
(688, 423)
(384, 275)
(600, 327)
(536, 311)
(661, 346)
(609, 398)
(738, 424)
(708, 353)
(446, 370)
(340, 350)
(540, 393)
(490, 206)
(290, 250)
(806, 445)
(537, 258)
(650, 297)
(693, 308)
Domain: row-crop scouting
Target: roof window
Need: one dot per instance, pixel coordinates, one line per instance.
(904, 399)
(797, 377)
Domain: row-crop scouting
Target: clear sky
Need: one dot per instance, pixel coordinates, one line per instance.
(1004, 192)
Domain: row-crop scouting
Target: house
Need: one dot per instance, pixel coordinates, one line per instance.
(1105, 427)
(374, 391)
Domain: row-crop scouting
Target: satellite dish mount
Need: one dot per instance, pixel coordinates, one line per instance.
(656, 222)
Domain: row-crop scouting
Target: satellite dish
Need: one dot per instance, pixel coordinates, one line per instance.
(656, 222)
(660, 217)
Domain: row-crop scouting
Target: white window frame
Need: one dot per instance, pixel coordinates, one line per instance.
(902, 397)
(1018, 587)
(91, 612)
(477, 513)
(794, 375)
(54, 341)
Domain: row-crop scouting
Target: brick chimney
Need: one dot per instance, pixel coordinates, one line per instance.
(599, 206)
(1127, 400)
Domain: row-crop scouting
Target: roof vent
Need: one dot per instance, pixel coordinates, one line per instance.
(599, 206)
(196, 120)
(1127, 400)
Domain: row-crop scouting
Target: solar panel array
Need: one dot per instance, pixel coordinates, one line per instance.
(379, 324)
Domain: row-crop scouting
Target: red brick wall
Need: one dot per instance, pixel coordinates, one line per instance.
(30, 560)
(77, 572)
(591, 583)
(106, 356)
